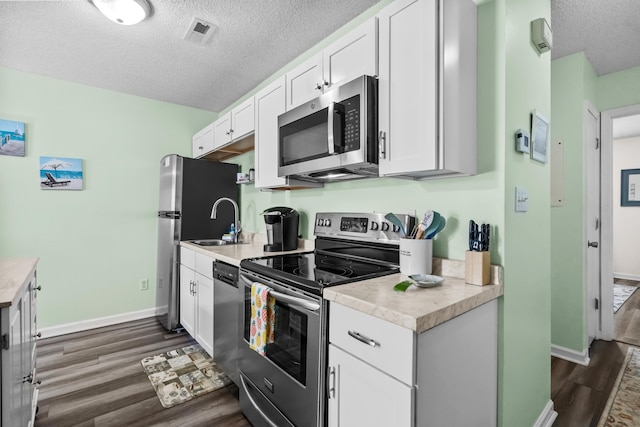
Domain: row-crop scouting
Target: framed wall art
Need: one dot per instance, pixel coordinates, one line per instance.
(60, 173)
(630, 187)
(539, 137)
(11, 138)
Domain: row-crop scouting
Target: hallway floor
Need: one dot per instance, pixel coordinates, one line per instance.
(579, 393)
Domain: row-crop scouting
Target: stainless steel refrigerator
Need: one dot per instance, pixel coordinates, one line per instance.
(188, 189)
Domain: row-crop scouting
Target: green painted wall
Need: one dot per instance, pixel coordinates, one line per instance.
(525, 309)
(619, 89)
(97, 244)
(569, 88)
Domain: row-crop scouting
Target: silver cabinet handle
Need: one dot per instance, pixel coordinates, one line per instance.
(332, 382)
(318, 86)
(363, 339)
(592, 244)
(382, 145)
(255, 405)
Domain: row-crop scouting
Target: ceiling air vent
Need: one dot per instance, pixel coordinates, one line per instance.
(200, 31)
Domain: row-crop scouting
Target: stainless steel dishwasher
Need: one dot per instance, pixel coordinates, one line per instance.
(226, 318)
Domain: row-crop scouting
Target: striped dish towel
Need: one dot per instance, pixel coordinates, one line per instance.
(262, 318)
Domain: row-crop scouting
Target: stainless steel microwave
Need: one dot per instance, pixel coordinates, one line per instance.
(332, 137)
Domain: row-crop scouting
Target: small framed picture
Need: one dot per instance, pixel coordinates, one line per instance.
(539, 137)
(630, 187)
(11, 138)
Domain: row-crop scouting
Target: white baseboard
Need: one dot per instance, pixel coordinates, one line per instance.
(547, 417)
(581, 358)
(626, 276)
(84, 325)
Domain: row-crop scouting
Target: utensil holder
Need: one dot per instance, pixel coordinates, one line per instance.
(477, 268)
(416, 256)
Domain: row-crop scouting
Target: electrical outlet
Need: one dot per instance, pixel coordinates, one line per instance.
(144, 285)
(522, 198)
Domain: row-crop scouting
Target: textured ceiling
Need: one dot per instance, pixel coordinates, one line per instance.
(71, 40)
(608, 31)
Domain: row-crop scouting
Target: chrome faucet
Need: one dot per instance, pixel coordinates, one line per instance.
(236, 222)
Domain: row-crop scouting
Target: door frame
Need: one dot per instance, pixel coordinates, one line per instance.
(607, 330)
(593, 289)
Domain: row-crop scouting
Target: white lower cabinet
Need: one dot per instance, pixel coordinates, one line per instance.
(361, 395)
(382, 374)
(19, 394)
(196, 297)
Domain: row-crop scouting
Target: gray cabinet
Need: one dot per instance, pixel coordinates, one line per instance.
(18, 356)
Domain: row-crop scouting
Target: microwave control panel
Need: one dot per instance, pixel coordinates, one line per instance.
(351, 123)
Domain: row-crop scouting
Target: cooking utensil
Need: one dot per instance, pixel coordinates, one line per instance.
(434, 224)
(441, 224)
(396, 221)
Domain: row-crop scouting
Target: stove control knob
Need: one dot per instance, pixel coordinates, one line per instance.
(327, 222)
(395, 228)
(320, 222)
(385, 226)
(374, 226)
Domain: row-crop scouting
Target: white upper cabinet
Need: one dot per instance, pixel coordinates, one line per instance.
(353, 55)
(270, 103)
(202, 142)
(427, 88)
(235, 124)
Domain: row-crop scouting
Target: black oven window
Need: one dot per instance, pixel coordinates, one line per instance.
(289, 349)
(305, 139)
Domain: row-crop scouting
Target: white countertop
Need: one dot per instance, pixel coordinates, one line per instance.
(13, 274)
(418, 309)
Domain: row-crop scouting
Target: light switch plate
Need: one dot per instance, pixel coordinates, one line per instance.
(522, 198)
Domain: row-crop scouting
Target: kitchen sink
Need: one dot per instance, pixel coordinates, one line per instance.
(214, 242)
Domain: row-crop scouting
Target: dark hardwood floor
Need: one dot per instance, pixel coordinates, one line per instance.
(579, 393)
(94, 378)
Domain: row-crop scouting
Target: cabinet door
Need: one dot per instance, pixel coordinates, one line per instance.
(407, 84)
(354, 55)
(204, 312)
(207, 141)
(222, 130)
(270, 103)
(243, 119)
(197, 149)
(187, 300)
(305, 82)
(360, 395)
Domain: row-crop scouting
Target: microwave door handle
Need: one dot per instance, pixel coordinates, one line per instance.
(335, 127)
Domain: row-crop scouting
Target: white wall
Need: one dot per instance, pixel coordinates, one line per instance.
(626, 220)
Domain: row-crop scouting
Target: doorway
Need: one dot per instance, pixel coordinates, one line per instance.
(608, 323)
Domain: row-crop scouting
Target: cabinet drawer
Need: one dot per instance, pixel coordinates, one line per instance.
(204, 265)
(188, 258)
(388, 347)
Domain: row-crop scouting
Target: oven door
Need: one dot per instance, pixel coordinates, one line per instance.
(286, 380)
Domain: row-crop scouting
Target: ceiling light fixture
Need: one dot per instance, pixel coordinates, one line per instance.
(125, 12)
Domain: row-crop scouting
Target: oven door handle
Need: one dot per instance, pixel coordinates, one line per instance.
(308, 305)
(289, 299)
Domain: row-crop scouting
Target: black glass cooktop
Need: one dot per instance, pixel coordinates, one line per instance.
(315, 271)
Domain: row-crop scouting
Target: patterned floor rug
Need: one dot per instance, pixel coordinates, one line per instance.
(621, 293)
(623, 406)
(180, 375)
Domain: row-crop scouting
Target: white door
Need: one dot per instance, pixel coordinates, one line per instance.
(204, 312)
(407, 84)
(187, 301)
(361, 395)
(243, 119)
(592, 221)
(222, 130)
(354, 55)
(270, 103)
(305, 82)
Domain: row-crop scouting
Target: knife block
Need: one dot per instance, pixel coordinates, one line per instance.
(477, 268)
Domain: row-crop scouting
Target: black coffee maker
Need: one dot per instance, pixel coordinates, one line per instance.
(282, 229)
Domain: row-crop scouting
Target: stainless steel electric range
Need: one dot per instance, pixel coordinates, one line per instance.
(285, 387)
